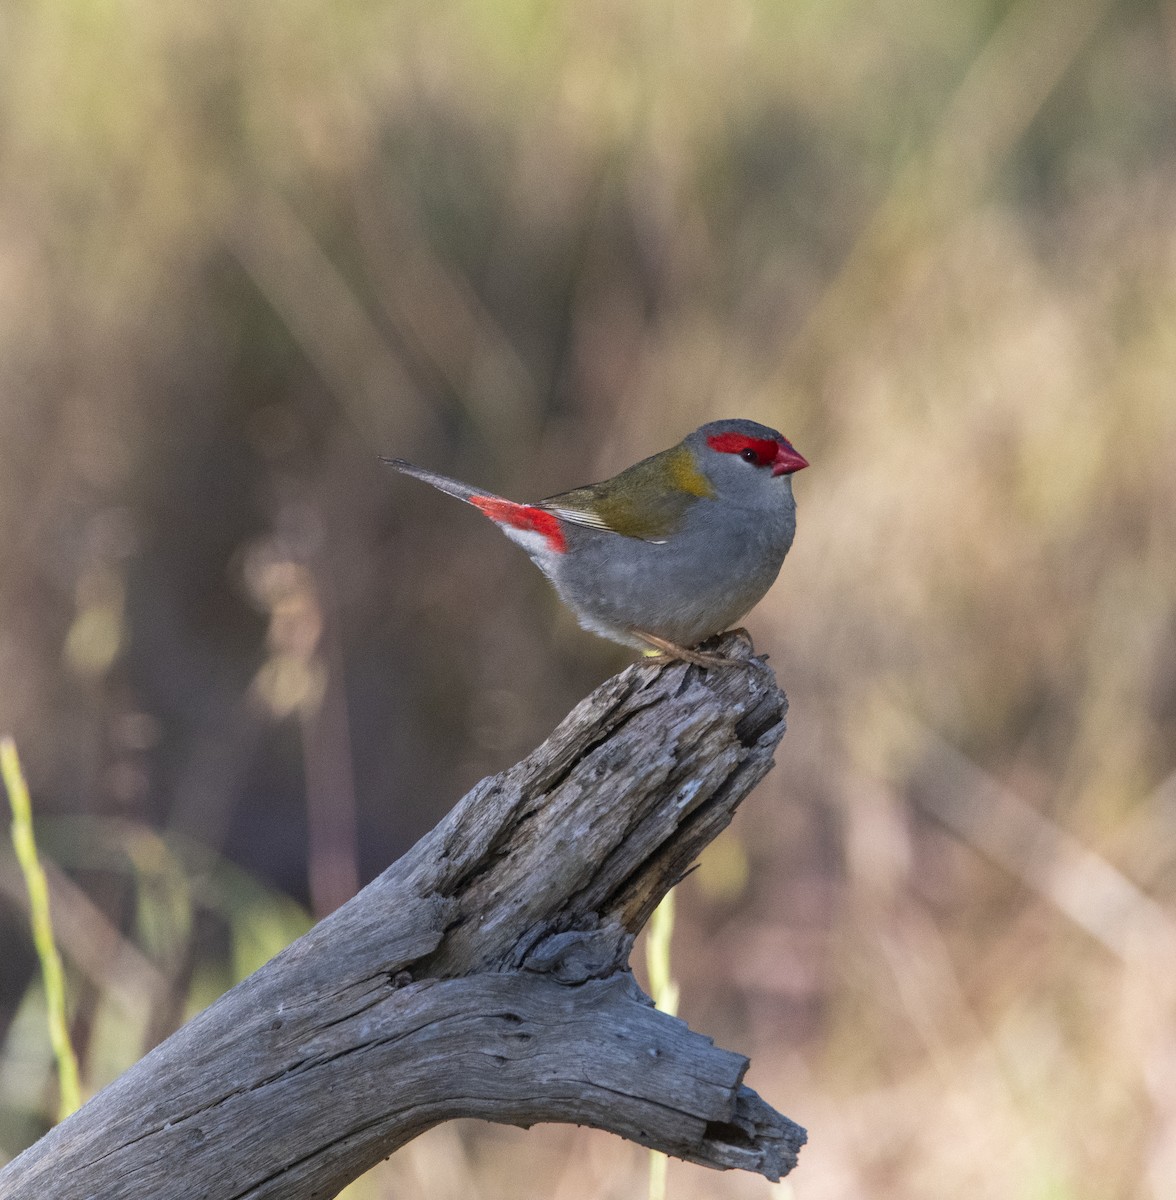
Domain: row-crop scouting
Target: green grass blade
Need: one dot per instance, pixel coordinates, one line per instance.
(664, 992)
(70, 1096)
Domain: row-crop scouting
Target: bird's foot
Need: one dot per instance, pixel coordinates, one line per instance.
(664, 651)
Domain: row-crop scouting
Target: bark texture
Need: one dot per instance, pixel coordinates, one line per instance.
(485, 974)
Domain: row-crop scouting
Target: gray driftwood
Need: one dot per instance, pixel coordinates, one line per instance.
(484, 974)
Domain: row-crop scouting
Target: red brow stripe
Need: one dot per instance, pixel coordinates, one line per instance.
(735, 443)
(523, 516)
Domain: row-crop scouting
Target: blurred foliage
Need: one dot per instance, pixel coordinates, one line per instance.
(245, 249)
(52, 975)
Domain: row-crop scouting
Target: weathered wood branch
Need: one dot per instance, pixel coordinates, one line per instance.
(484, 974)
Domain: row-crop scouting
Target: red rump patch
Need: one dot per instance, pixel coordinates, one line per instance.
(523, 516)
(764, 449)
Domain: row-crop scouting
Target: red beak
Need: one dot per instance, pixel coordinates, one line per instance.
(787, 459)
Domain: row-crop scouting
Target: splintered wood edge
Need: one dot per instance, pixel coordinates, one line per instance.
(599, 822)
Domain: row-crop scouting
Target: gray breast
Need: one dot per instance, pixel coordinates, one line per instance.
(698, 582)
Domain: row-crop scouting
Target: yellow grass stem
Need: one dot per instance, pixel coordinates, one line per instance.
(69, 1094)
(665, 996)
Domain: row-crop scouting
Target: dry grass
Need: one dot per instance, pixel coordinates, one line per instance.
(245, 248)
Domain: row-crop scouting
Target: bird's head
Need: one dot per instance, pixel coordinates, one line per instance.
(743, 459)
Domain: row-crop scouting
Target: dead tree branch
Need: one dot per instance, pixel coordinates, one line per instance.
(484, 974)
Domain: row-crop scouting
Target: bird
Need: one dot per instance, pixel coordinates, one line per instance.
(671, 551)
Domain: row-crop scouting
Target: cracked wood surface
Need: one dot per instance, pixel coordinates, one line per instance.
(484, 974)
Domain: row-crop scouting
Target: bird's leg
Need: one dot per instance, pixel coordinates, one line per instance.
(670, 650)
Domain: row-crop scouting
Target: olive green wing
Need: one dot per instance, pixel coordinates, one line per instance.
(646, 501)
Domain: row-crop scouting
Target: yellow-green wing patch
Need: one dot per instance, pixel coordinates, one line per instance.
(647, 501)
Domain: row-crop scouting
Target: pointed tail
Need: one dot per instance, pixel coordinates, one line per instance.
(443, 483)
(536, 529)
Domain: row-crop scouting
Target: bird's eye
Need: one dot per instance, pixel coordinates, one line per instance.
(749, 455)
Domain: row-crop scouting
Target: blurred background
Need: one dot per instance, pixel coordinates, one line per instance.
(246, 248)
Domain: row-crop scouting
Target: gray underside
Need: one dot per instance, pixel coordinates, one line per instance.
(698, 583)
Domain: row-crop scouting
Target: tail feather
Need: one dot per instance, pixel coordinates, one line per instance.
(536, 529)
(443, 483)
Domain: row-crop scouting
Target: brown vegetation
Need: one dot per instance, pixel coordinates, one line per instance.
(246, 248)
